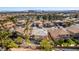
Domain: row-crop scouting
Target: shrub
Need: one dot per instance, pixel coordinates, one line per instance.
(59, 42)
(65, 44)
(12, 45)
(75, 40)
(28, 39)
(70, 41)
(45, 45)
(19, 40)
(9, 43)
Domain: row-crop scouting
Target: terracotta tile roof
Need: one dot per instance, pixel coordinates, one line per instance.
(9, 25)
(57, 32)
(39, 22)
(73, 29)
(20, 30)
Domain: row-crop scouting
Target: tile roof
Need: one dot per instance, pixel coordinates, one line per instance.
(57, 32)
(73, 28)
(39, 32)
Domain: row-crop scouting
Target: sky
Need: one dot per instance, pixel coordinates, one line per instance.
(37, 8)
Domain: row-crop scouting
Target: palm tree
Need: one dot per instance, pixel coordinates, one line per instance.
(27, 26)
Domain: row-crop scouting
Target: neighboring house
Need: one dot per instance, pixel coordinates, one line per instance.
(39, 32)
(58, 22)
(74, 30)
(20, 22)
(48, 24)
(3, 17)
(20, 30)
(20, 25)
(37, 24)
(58, 33)
(9, 25)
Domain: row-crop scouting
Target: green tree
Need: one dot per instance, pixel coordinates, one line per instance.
(3, 36)
(50, 17)
(11, 19)
(75, 40)
(28, 40)
(59, 42)
(44, 17)
(45, 45)
(38, 17)
(6, 41)
(9, 43)
(19, 40)
(70, 41)
(65, 44)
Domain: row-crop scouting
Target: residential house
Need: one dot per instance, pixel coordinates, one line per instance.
(48, 24)
(58, 33)
(9, 25)
(37, 24)
(74, 30)
(20, 25)
(39, 32)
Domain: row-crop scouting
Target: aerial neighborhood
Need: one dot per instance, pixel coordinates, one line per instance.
(39, 30)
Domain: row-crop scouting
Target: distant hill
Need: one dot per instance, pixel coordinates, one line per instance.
(41, 11)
